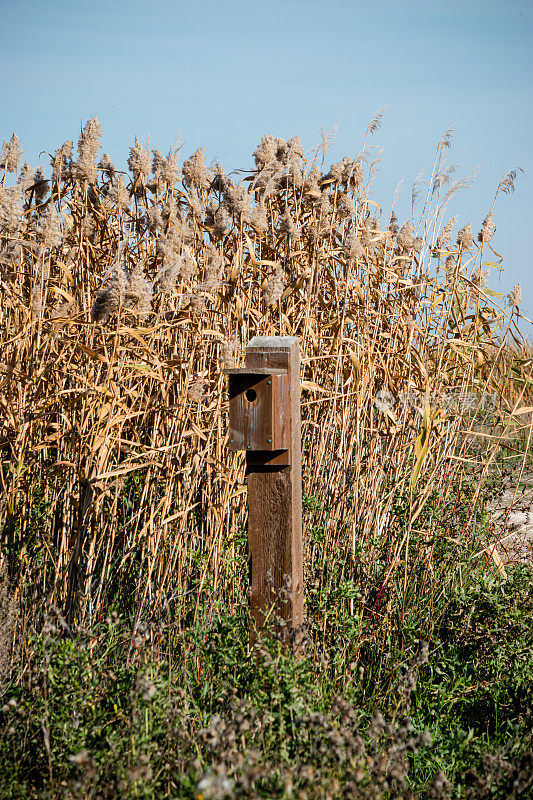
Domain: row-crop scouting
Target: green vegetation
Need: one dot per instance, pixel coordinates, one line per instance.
(125, 665)
(178, 712)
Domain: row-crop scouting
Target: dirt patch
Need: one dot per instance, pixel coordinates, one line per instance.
(512, 514)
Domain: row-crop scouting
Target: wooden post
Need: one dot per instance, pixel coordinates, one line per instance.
(265, 421)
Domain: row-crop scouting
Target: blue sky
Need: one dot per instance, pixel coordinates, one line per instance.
(221, 74)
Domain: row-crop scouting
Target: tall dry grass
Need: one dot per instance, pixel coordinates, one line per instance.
(124, 295)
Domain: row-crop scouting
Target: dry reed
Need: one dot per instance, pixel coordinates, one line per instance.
(123, 295)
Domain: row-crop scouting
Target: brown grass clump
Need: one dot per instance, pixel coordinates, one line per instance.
(123, 296)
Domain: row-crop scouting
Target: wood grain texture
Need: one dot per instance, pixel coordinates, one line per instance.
(258, 418)
(275, 500)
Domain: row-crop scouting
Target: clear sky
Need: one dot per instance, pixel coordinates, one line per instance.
(222, 73)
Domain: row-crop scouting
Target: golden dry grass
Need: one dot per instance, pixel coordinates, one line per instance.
(119, 314)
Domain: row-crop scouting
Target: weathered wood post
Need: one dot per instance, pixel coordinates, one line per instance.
(264, 400)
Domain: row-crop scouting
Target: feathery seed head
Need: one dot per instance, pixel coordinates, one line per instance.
(37, 300)
(183, 266)
(227, 352)
(258, 219)
(375, 123)
(11, 214)
(465, 237)
(514, 298)
(222, 224)
(213, 258)
(443, 177)
(196, 205)
(107, 165)
(41, 185)
(488, 229)
(507, 183)
(295, 175)
(352, 171)
(154, 219)
(366, 234)
(269, 179)
(220, 179)
(315, 233)
(346, 206)
(11, 154)
(445, 234)
(157, 164)
(68, 236)
(213, 264)
(406, 236)
(266, 151)
(336, 172)
(311, 186)
(171, 172)
(49, 228)
(353, 247)
(139, 161)
(325, 204)
(282, 150)
(451, 266)
(140, 291)
(60, 161)
(417, 184)
(188, 268)
(90, 136)
(88, 146)
(287, 226)
(294, 148)
(195, 172)
(26, 177)
(237, 199)
(294, 160)
(118, 195)
(167, 276)
(63, 311)
(181, 231)
(152, 185)
(88, 226)
(274, 289)
(445, 140)
(109, 299)
(169, 246)
(479, 277)
(196, 391)
(393, 224)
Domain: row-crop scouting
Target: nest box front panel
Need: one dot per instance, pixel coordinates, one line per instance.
(258, 411)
